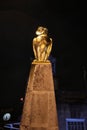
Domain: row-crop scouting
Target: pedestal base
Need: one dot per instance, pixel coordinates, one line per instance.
(39, 111)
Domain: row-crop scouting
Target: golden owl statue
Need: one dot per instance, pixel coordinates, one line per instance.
(42, 45)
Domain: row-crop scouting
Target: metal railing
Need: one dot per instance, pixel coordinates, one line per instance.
(75, 124)
(12, 126)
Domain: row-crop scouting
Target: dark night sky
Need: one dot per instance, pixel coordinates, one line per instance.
(66, 23)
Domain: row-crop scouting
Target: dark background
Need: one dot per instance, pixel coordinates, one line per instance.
(66, 22)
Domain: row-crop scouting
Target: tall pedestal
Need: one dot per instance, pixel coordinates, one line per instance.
(39, 110)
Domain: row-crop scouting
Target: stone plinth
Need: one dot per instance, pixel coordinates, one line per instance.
(39, 110)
